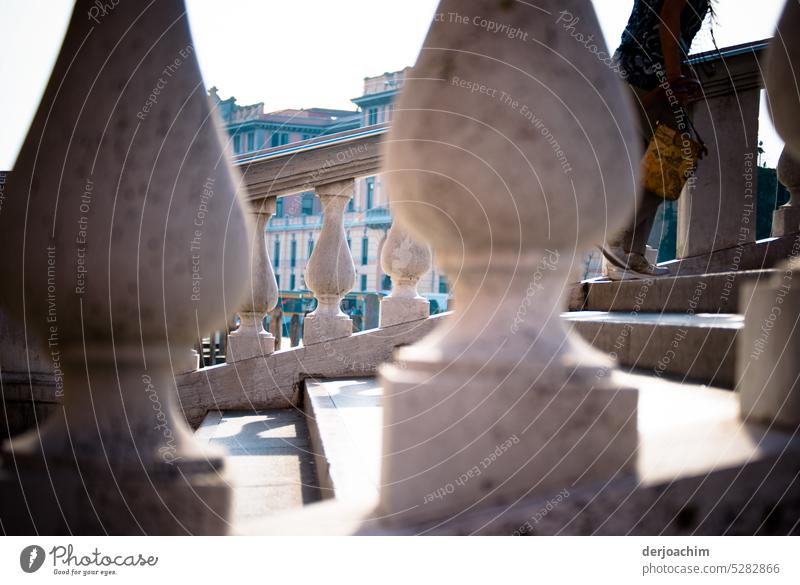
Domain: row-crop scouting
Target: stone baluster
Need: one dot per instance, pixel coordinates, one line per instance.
(501, 401)
(250, 339)
(786, 219)
(123, 238)
(780, 75)
(406, 262)
(330, 273)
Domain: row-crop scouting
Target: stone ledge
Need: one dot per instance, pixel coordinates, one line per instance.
(337, 412)
(273, 381)
(700, 470)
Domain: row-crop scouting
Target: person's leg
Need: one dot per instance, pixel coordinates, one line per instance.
(633, 237)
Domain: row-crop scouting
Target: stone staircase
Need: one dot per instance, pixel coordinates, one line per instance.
(684, 327)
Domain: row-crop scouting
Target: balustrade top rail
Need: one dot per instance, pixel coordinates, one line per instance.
(301, 166)
(731, 69)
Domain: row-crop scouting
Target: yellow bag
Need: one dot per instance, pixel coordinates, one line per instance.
(669, 161)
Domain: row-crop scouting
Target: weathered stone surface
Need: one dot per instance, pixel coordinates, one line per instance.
(698, 471)
(780, 70)
(327, 159)
(269, 463)
(700, 348)
(701, 293)
(406, 262)
(250, 339)
(506, 212)
(274, 381)
(768, 348)
(330, 273)
(136, 238)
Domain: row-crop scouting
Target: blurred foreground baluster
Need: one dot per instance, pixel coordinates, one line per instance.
(121, 204)
(500, 401)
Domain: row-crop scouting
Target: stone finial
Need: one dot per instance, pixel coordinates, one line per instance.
(780, 71)
(250, 339)
(123, 238)
(330, 273)
(510, 185)
(406, 262)
(786, 219)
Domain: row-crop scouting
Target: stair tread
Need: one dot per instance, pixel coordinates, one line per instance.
(269, 462)
(705, 320)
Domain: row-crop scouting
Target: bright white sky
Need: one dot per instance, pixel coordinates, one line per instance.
(299, 54)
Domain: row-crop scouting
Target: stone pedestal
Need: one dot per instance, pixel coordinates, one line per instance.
(767, 368)
(250, 339)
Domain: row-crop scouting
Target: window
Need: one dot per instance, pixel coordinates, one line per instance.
(307, 204)
(363, 282)
(351, 204)
(443, 284)
(251, 141)
(237, 144)
(370, 194)
(349, 243)
(279, 139)
(306, 137)
(310, 246)
(279, 207)
(276, 256)
(364, 251)
(372, 116)
(386, 282)
(291, 281)
(293, 255)
(278, 281)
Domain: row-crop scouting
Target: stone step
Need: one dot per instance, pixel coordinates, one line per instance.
(699, 347)
(704, 293)
(269, 463)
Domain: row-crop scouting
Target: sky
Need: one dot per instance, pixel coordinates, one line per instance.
(303, 53)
